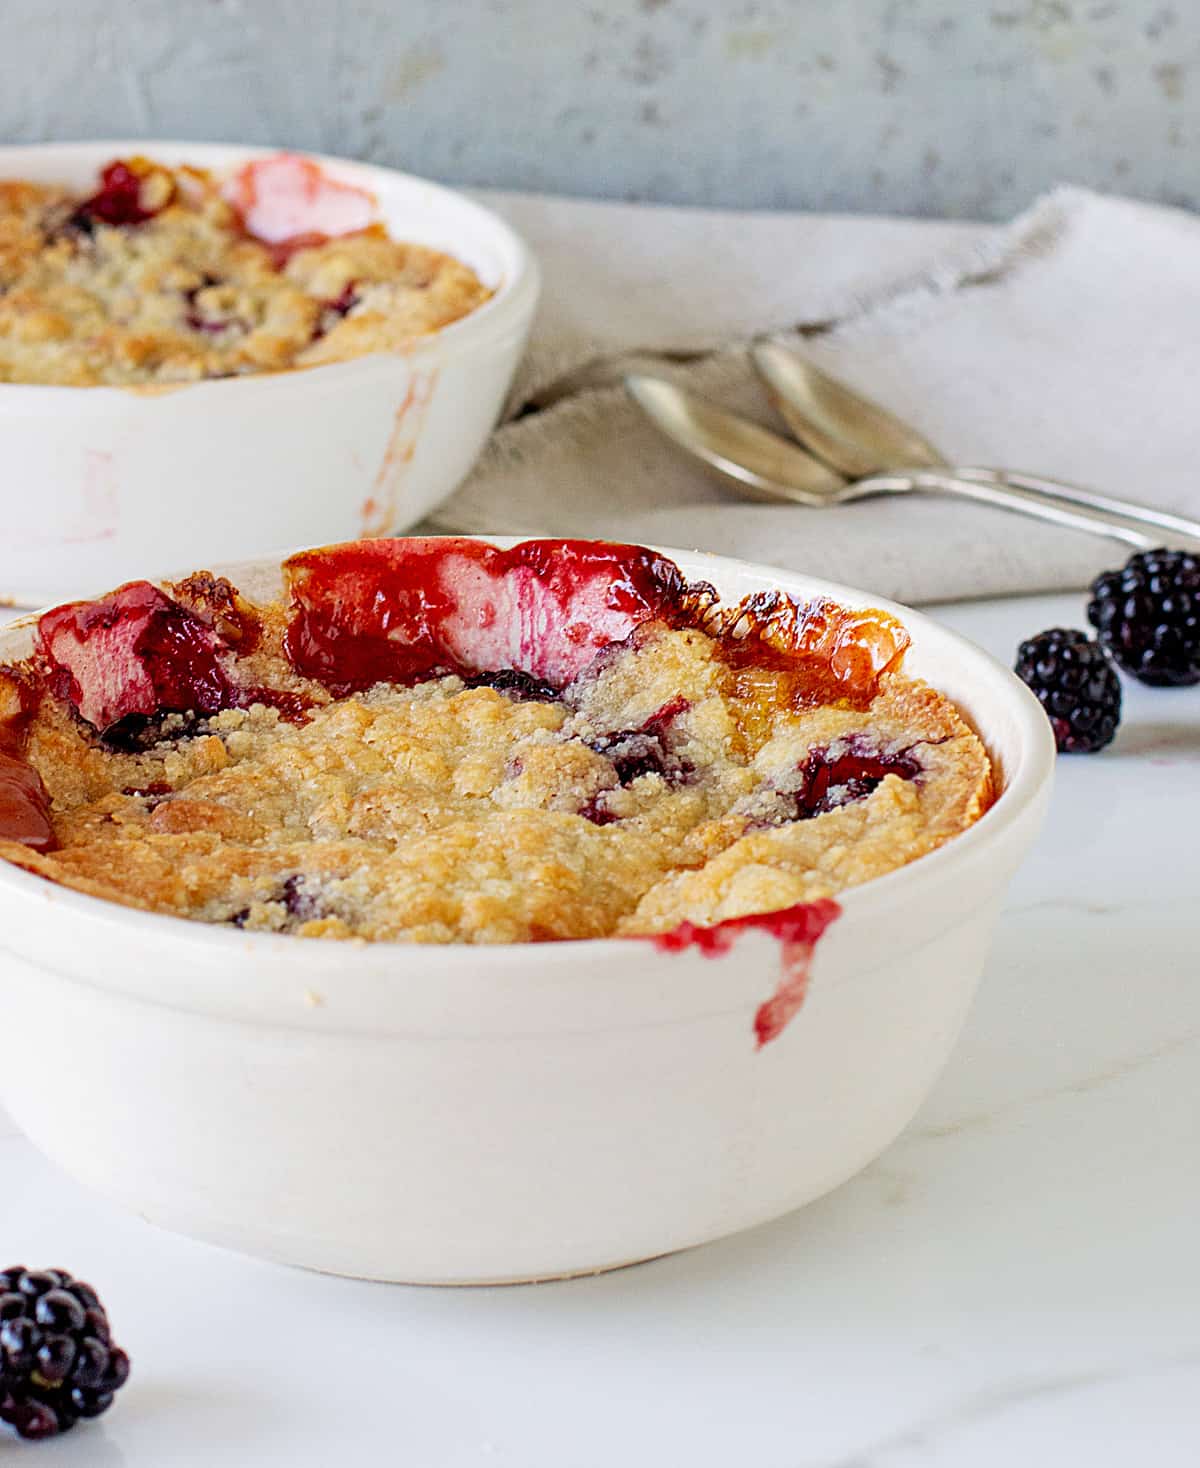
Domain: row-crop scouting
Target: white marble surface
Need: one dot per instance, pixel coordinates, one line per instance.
(1016, 1281)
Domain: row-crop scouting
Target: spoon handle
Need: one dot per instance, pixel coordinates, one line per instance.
(1074, 494)
(1002, 492)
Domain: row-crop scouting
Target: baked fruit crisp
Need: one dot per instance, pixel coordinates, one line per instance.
(437, 741)
(167, 275)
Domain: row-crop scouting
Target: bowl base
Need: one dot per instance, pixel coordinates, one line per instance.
(501, 1281)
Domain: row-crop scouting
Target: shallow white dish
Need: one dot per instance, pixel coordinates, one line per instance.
(463, 1114)
(104, 481)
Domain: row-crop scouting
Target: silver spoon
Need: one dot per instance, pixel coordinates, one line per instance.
(762, 465)
(855, 435)
(860, 438)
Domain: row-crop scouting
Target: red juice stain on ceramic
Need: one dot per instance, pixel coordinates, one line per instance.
(798, 928)
(98, 513)
(381, 509)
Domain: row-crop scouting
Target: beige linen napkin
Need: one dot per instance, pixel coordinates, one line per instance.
(1067, 343)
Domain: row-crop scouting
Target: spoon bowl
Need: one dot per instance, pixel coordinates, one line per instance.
(845, 429)
(759, 464)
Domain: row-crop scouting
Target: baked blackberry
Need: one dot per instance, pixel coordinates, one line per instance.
(1148, 616)
(516, 684)
(57, 1358)
(1076, 684)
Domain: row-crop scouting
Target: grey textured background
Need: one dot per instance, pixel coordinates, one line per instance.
(951, 107)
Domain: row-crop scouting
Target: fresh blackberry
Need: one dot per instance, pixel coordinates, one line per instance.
(1148, 616)
(1076, 684)
(57, 1359)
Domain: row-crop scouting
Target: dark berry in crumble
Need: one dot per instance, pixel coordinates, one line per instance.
(152, 794)
(1074, 680)
(335, 309)
(1148, 616)
(201, 319)
(832, 780)
(135, 733)
(57, 1359)
(302, 898)
(633, 754)
(512, 681)
(832, 777)
(124, 197)
(646, 750)
(345, 301)
(596, 810)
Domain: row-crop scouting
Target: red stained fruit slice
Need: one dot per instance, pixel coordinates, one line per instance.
(133, 652)
(387, 610)
(24, 805)
(286, 198)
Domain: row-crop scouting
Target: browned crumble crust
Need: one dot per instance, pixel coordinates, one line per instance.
(669, 781)
(186, 294)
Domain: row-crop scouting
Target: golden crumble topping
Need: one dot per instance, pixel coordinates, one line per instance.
(156, 277)
(671, 776)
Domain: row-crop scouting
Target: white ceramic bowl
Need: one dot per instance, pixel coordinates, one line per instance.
(104, 481)
(463, 1114)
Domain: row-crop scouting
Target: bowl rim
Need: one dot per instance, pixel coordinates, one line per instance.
(1025, 784)
(505, 312)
